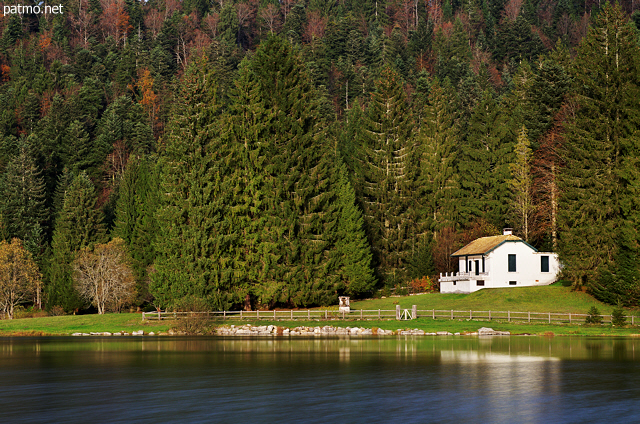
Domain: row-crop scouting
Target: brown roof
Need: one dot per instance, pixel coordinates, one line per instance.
(484, 245)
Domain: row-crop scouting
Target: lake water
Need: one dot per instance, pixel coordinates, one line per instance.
(232, 380)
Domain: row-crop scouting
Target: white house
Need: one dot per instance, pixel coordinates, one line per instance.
(499, 261)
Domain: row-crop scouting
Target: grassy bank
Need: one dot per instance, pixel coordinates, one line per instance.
(555, 298)
(66, 325)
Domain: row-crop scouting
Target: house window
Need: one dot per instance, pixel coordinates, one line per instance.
(480, 283)
(469, 267)
(483, 264)
(544, 263)
(477, 267)
(512, 263)
(512, 283)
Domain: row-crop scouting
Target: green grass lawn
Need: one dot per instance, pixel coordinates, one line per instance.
(80, 324)
(554, 298)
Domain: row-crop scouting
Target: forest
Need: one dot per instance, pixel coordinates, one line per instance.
(262, 153)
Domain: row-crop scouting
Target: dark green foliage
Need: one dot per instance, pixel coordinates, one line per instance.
(22, 201)
(352, 248)
(190, 238)
(593, 316)
(387, 172)
(79, 224)
(135, 219)
(483, 164)
(599, 204)
(617, 316)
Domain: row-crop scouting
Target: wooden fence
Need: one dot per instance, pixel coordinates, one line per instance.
(382, 314)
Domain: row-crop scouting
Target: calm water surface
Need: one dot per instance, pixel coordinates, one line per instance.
(231, 380)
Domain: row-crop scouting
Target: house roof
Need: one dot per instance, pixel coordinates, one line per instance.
(484, 245)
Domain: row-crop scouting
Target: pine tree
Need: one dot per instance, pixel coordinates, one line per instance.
(352, 247)
(191, 233)
(438, 180)
(300, 173)
(599, 184)
(521, 180)
(22, 201)
(135, 223)
(79, 224)
(483, 164)
(387, 174)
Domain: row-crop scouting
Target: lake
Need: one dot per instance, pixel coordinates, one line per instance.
(459, 379)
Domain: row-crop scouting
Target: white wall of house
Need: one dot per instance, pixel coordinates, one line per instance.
(528, 269)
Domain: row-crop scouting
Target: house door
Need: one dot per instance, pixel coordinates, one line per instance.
(477, 267)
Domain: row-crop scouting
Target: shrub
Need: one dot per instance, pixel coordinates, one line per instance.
(56, 311)
(617, 316)
(423, 285)
(593, 316)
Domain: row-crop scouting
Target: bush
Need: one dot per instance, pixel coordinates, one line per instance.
(617, 316)
(594, 316)
(423, 285)
(56, 311)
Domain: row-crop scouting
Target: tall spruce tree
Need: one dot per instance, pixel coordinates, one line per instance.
(191, 234)
(352, 248)
(599, 184)
(520, 183)
(135, 219)
(299, 173)
(22, 201)
(78, 225)
(438, 181)
(483, 164)
(386, 174)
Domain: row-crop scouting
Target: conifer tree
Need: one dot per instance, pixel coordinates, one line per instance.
(352, 248)
(521, 180)
(483, 164)
(135, 219)
(438, 181)
(599, 184)
(387, 174)
(191, 233)
(79, 224)
(22, 201)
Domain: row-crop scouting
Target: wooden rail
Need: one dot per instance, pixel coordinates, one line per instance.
(383, 314)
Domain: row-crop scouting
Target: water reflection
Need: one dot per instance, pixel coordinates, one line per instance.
(415, 379)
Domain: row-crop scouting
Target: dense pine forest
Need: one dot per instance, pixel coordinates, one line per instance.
(264, 153)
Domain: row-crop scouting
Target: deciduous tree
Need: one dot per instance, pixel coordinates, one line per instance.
(20, 279)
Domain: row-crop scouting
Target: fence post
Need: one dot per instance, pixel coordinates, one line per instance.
(274, 315)
(224, 315)
(470, 315)
(489, 315)
(240, 313)
(549, 317)
(292, 314)
(632, 317)
(508, 316)
(569, 317)
(397, 312)
(325, 314)
(258, 314)
(414, 311)
(434, 313)
(529, 313)
(360, 314)
(452, 314)
(143, 316)
(308, 314)
(378, 313)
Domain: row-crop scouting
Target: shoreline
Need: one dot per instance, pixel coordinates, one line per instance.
(326, 331)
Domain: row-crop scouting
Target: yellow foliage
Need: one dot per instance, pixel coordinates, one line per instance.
(20, 278)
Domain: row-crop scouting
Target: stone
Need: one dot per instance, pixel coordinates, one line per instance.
(443, 333)
(485, 331)
(76, 334)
